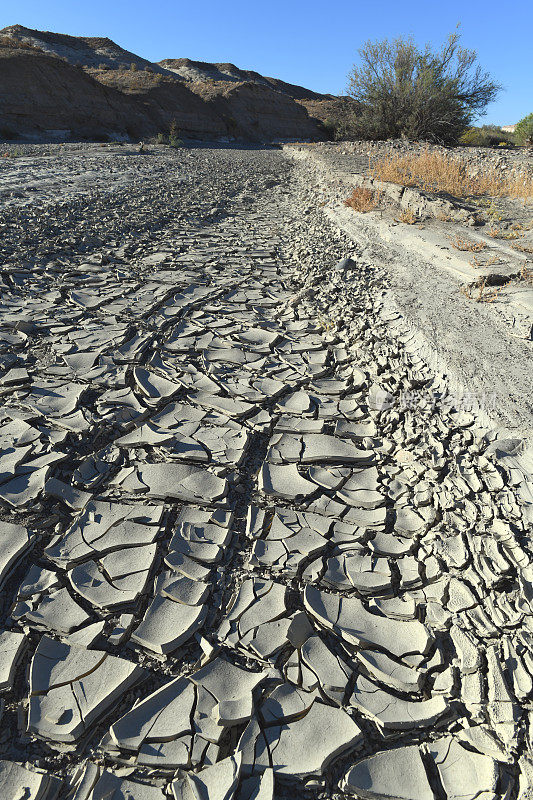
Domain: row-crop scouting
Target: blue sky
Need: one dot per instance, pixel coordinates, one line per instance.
(308, 42)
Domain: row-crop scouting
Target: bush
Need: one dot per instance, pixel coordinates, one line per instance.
(133, 67)
(174, 135)
(340, 129)
(486, 136)
(161, 138)
(524, 130)
(362, 200)
(419, 94)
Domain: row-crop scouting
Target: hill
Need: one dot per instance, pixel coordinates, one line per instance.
(93, 87)
(40, 93)
(196, 71)
(84, 51)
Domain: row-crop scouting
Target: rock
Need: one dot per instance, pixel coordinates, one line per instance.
(285, 482)
(218, 782)
(306, 746)
(110, 785)
(168, 624)
(16, 781)
(15, 541)
(12, 645)
(464, 774)
(393, 713)
(162, 716)
(348, 617)
(70, 687)
(396, 774)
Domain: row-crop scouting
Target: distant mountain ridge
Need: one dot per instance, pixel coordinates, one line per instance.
(83, 51)
(203, 70)
(139, 97)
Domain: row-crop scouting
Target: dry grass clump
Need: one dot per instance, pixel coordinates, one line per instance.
(523, 248)
(488, 262)
(481, 292)
(467, 244)
(496, 233)
(438, 172)
(408, 217)
(484, 294)
(526, 275)
(362, 200)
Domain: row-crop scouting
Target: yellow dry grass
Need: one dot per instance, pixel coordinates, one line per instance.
(439, 172)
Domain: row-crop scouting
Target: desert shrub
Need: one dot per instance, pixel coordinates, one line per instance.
(341, 129)
(420, 94)
(362, 200)
(329, 126)
(103, 66)
(486, 136)
(148, 68)
(174, 135)
(161, 138)
(524, 130)
(133, 67)
(408, 217)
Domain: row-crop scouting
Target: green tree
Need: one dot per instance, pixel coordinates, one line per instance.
(421, 94)
(524, 130)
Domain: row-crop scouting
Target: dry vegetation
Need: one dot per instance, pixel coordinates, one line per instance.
(526, 275)
(467, 245)
(523, 248)
(362, 200)
(496, 233)
(481, 293)
(438, 172)
(13, 44)
(487, 262)
(408, 217)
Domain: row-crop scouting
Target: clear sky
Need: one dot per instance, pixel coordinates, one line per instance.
(308, 42)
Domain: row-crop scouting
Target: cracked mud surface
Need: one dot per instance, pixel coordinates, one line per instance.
(235, 564)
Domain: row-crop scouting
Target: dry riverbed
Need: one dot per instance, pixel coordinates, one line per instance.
(257, 541)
